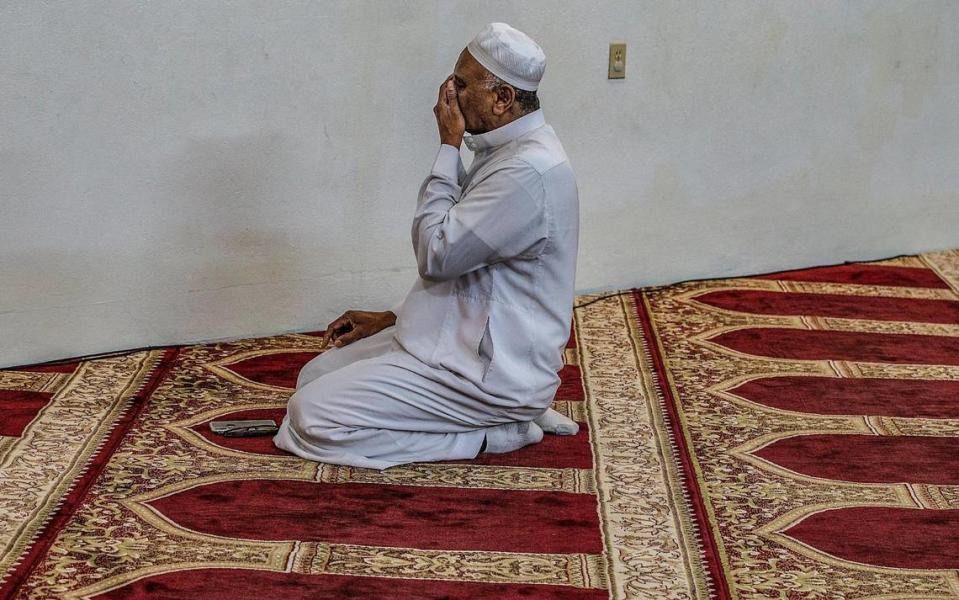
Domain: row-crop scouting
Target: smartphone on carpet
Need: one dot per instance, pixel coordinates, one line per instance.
(248, 428)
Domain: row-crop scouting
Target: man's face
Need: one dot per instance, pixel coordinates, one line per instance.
(476, 102)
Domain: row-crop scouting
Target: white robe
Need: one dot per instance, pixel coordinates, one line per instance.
(479, 338)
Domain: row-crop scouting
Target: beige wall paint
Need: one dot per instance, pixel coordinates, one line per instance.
(186, 172)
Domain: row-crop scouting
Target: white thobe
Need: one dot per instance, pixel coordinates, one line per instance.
(480, 336)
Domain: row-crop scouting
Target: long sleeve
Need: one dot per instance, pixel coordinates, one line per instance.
(503, 216)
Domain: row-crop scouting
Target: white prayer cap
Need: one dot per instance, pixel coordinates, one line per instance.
(509, 54)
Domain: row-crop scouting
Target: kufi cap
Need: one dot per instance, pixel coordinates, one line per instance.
(509, 54)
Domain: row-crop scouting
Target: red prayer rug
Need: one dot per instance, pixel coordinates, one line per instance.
(791, 435)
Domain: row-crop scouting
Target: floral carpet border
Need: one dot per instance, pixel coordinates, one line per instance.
(120, 387)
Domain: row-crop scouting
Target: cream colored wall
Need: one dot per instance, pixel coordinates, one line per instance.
(184, 172)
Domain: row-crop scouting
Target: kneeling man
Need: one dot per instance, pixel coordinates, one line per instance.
(468, 362)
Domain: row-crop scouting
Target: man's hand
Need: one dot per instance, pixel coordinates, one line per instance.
(355, 325)
(449, 119)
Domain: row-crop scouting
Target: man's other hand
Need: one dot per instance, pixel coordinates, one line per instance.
(355, 325)
(449, 119)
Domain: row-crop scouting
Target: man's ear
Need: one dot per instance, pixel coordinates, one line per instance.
(505, 96)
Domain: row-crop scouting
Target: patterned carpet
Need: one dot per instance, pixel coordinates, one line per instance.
(793, 435)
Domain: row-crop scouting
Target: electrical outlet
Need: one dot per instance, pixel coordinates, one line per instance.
(617, 61)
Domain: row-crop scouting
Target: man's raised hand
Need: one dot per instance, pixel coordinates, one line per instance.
(449, 119)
